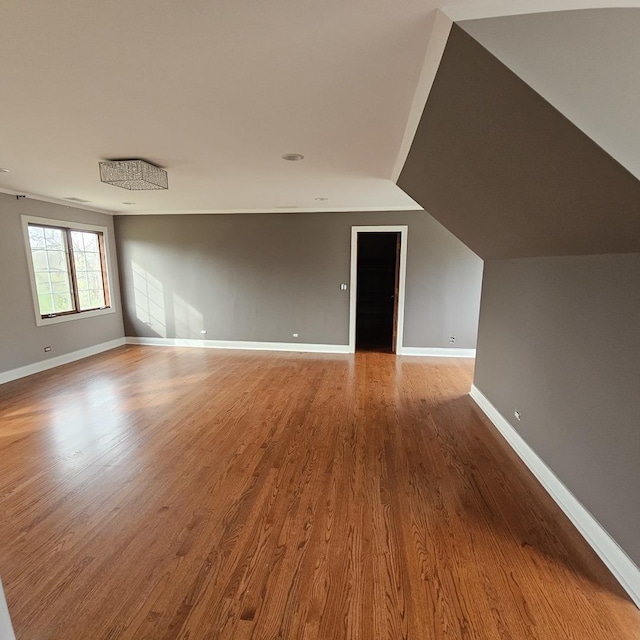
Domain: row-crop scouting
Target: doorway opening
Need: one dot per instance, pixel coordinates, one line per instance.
(378, 264)
(377, 291)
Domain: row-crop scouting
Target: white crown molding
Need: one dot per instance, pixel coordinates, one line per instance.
(244, 345)
(437, 352)
(88, 207)
(618, 562)
(51, 363)
(287, 211)
(60, 201)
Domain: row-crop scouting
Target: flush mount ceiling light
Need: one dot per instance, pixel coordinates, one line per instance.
(293, 157)
(135, 175)
(321, 199)
(3, 170)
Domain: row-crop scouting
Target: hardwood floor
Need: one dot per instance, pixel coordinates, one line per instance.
(185, 493)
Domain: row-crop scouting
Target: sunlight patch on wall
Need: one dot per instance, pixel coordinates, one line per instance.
(149, 299)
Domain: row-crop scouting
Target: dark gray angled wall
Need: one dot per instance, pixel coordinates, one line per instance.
(264, 277)
(22, 342)
(559, 337)
(507, 173)
(559, 341)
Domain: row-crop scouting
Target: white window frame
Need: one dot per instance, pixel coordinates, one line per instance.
(66, 224)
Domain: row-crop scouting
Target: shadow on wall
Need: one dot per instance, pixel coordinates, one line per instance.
(157, 312)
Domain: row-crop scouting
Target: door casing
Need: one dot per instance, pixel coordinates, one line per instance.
(403, 230)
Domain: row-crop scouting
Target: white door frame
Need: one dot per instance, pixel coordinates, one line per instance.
(403, 230)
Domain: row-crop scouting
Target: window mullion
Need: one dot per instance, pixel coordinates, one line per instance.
(103, 268)
(72, 271)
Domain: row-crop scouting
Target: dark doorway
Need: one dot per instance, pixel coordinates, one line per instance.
(377, 291)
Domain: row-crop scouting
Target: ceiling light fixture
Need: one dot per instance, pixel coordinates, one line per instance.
(135, 175)
(128, 203)
(293, 157)
(2, 170)
(321, 199)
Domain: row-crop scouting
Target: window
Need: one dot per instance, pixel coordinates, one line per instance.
(68, 265)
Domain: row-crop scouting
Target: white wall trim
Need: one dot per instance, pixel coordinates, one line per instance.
(43, 365)
(240, 344)
(438, 352)
(435, 49)
(334, 209)
(84, 206)
(403, 230)
(618, 562)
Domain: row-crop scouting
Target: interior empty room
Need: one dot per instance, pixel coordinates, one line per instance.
(320, 321)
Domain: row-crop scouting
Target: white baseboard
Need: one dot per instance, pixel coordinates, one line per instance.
(618, 562)
(43, 365)
(292, 346)
(439, 352)
(240, 344)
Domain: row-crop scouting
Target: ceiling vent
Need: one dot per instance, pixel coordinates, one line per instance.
(135, 175)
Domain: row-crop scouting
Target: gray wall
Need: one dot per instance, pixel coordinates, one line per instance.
(265, 277)
(6, 630)
(559, 340)
(21, 341)
(507, 173)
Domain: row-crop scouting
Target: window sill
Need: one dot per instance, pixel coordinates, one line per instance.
(43, 322)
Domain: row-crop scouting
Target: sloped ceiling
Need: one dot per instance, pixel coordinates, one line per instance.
(586, 63)
(507, 173)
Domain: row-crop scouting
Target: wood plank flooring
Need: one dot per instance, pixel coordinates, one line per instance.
(152, 493)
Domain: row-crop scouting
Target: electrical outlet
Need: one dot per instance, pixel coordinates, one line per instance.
(295, 335)
(452, 340)
(516, 413)
(47, 349)
(343, 286)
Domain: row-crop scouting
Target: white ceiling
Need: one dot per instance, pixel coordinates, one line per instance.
(216, 92)
(586, 63)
